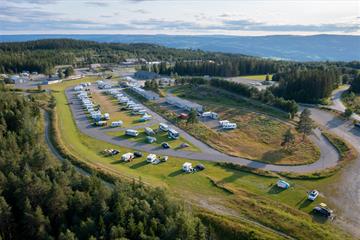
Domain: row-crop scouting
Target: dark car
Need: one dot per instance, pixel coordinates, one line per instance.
(323, 210)
(138, 154)
(357, 125)
(114, 152)
(184, 145)
(165, 145)
(199, 167)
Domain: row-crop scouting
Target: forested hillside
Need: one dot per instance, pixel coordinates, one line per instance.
(43, 55)
(42, 201)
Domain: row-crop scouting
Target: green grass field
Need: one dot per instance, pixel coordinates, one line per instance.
(257, 77)
(229, 192)
(352, 101)
(257, 136)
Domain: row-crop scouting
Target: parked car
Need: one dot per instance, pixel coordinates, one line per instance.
(165, 145)
(357, 125)
(283, 184)
(138, 154)
(323, 210)
(199, 167)
(313, 195)
(127, 157)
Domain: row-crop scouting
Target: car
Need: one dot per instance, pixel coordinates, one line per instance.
(312, 195)
(165, 145)
(114, 152)
(164, 158)
(199, 167)
(184, 145)
(323, 210)
(357, 125)
(138, 154)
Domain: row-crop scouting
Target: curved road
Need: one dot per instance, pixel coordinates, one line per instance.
(338, 105)
(328, 158)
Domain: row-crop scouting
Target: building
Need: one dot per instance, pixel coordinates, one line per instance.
(145, 75)
(183, 104)
(149, 95)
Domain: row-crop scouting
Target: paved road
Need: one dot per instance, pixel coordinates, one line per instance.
(338, 105)
(329, 156)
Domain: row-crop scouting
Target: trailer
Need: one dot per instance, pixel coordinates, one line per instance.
(116, 124)
(149, 131)
(163, 127)
(229, 126)
(132, 133)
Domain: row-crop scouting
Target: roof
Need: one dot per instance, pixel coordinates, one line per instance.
(183, 102)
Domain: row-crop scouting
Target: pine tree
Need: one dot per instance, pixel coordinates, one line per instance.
(288, 139)
(192, 117)
(305, 124)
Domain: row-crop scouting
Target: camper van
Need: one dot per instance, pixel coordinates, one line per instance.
(187, 167)
(173, 134)
(149, 131)
(151, 158)
(163, 127)
(127, 157)
(116, 124)
(131, 132)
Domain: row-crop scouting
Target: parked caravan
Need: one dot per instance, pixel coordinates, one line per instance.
(106, 116)
(100, 123)
(163, 127)
(116, 124)
(173, 134)
(229, 126)
(145, 118)
(150, 139)
(132, 133)
(149, 131)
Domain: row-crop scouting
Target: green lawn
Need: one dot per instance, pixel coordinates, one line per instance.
(248, 194)
(257, 77)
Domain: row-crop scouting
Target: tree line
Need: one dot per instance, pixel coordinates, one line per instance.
(307, 85)
(43, 200)
(265, 96)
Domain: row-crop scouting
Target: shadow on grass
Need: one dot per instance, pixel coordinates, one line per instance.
(139, 164)
(305, 203)
(176, 173)
(274, 156)
(275, 190)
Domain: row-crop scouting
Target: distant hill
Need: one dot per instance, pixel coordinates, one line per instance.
(298, 48)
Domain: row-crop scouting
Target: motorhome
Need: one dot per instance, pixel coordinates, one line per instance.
(116, 124)
(173, 134)
(222, 122)
(187, 167)
(127, 157)
(132, 133)
(163, 127)
(151, 158)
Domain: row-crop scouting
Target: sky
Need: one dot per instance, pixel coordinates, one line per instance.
(180, 17)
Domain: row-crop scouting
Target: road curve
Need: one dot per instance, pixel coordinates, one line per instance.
(338, 105)
(328, 158)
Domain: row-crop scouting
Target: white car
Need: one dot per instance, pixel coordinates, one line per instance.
(313, 195)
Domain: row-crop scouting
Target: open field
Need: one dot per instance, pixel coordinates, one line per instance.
(229, 192)
(257, 77)
(110, 105)
(257, 137)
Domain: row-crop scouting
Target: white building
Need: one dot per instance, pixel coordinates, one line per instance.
(183, 104)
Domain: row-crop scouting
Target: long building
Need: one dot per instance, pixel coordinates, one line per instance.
(149, 95)
(184, 104)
